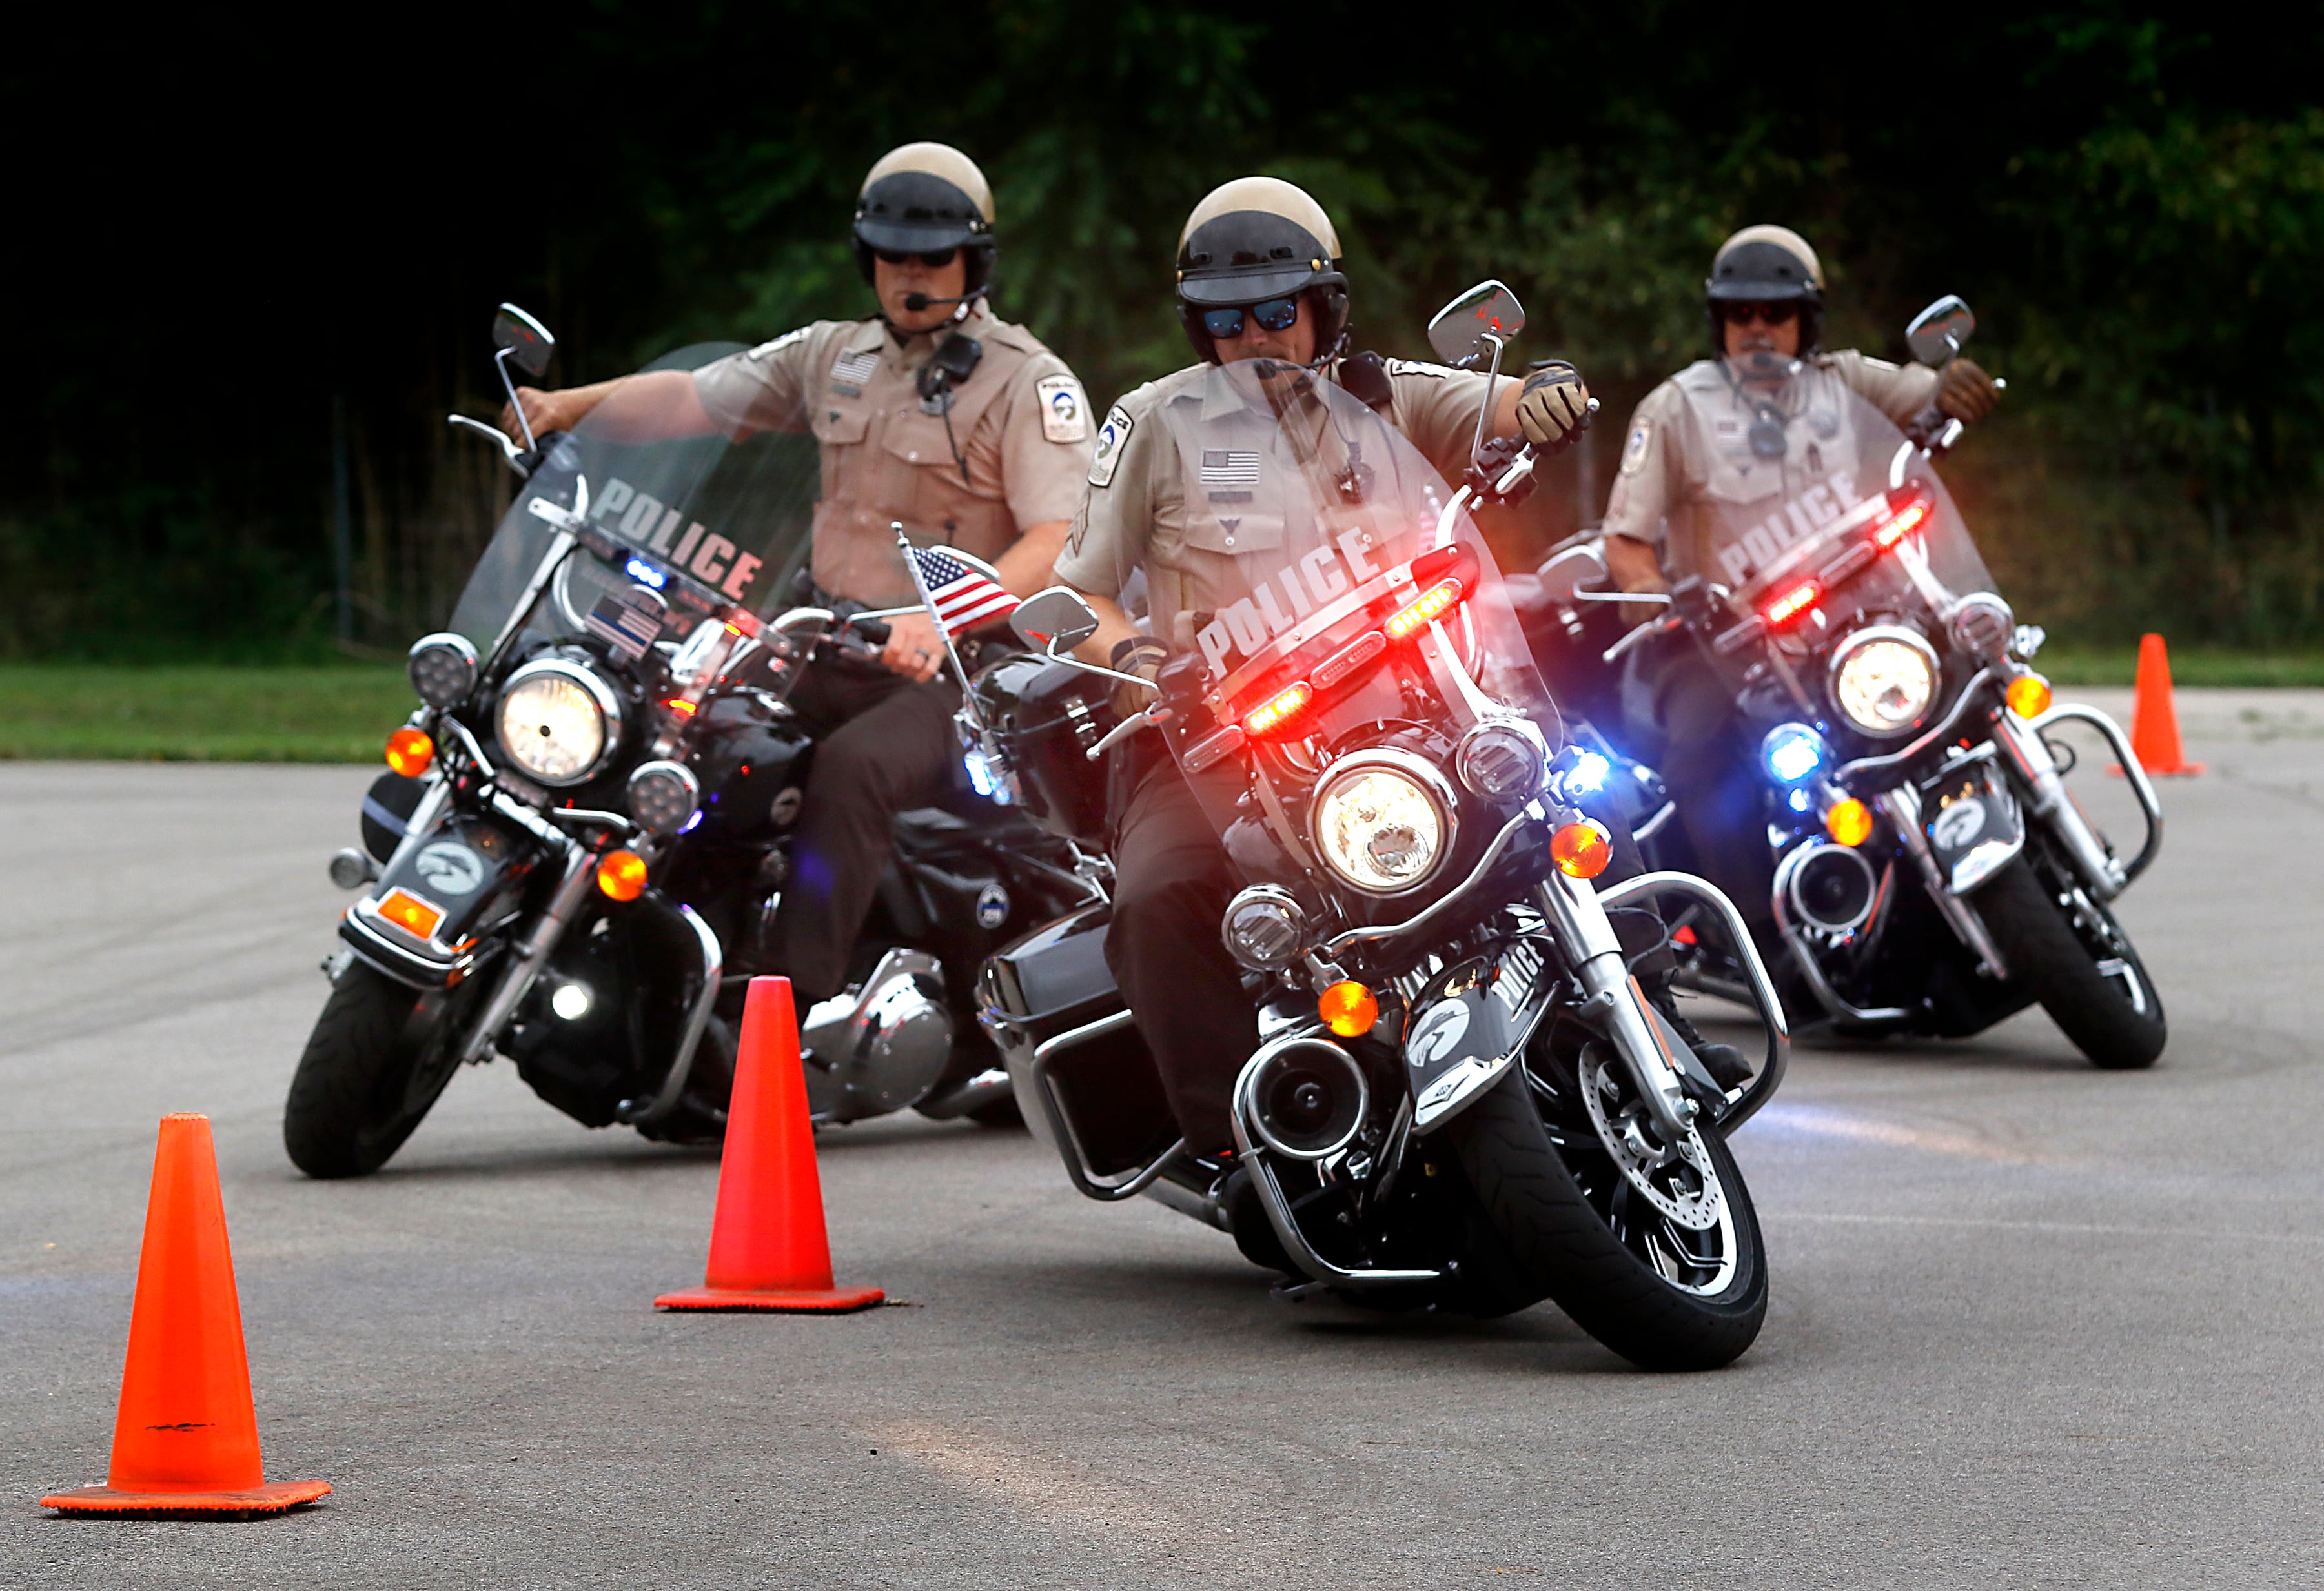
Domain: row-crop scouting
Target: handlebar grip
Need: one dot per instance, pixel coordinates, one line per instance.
(875, 631)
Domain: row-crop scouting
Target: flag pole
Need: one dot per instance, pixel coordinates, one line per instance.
(944, 630)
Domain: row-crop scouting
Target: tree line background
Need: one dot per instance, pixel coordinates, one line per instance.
(255, 259)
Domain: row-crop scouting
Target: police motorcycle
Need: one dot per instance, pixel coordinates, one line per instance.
(576, 856)
(1933, 873)
(1462, 1096)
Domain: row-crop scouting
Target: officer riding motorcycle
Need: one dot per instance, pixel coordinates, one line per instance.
(933, 414)
(1720, 430)
(1258, 278)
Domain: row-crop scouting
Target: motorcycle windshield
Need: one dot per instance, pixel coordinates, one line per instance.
(1820, 512)
(713, 525)
(1334, 599)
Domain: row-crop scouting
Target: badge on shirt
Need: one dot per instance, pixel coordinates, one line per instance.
(1634, 451)
(850, 371)
(1112, 437)
(1065, 413)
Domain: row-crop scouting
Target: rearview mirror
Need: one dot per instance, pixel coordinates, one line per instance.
(1472, 323)
(1570, 571)
(1940, 331)
(1054, 621)
(528, 341)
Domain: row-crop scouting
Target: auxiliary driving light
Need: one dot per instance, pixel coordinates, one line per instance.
(1348, 1008)
(623, 874)
(1792, 752)
(410, 752)
(1580, 850)
(443, 668)
(571, 1002)
(1850, 822)
(2028, 695)
(1265, 928)
(1502, 758)
(664, 796)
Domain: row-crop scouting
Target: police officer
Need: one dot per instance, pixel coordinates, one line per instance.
(933, 412)
(1259, 276)
(1703, 438)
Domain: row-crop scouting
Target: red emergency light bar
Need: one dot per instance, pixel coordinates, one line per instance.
(1780, 612)
(1272, 715)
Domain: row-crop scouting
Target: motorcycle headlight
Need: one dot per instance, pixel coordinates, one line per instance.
(443, 668)
(1383, 821)
(1883, 679)
(558, 721)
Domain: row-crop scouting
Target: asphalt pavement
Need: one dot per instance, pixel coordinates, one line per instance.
(2032, 1324)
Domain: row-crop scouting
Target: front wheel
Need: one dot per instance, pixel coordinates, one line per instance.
(2075, 958)
(380, 1054)
(1659, 1259)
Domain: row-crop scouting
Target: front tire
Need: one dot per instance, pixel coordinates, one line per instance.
(380, 1053)
(2078, 963)
(1573, 1226)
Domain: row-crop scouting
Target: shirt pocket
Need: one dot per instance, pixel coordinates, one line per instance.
(839, 426)
(1220, 528)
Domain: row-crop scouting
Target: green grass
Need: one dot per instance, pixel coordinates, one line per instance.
(341, 712)
(194, 713)
(2190, 666)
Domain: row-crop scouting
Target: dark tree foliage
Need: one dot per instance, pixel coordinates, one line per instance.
(229, 232)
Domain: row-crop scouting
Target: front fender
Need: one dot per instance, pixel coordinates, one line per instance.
(1470, 1024)
(423, 921)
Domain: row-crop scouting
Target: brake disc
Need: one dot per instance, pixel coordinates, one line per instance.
(1697, 1209)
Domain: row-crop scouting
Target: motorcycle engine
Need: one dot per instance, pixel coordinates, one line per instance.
(884, 1045)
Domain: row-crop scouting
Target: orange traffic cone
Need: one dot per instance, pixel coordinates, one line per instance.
(769, 1249)
(2154, 720)
(186, 1439)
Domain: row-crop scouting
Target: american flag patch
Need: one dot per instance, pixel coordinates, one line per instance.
(1225, 467)
(627, 622)
(964, 591)
(855, 368)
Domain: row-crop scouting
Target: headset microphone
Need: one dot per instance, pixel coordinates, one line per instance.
(916, 302)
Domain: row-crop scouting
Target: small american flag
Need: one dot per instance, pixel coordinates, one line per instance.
(1230, 467)
(965, 592)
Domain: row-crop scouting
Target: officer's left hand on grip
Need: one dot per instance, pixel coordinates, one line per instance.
(1554, 405)
(1965, 392)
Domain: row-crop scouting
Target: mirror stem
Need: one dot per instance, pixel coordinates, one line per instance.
(1485, 415)
(500, 364)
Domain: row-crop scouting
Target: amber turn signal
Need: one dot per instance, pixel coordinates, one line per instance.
(2028, 695)
(409, 751)
(623, 874)
(1580, 850)
(1850, 822)
(1348, 1008)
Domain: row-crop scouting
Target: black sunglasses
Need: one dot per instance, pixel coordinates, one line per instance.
(1273, 315)
(932, 258)
(1782, 312)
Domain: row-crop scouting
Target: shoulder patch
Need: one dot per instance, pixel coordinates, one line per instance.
(1634, 451)
(765, 349)
(1065, 413)
(1112, 437)
(1435, 372)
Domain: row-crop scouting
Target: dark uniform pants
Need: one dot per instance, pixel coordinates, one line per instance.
(1711, 770)
(1172, 883)
(884, 744)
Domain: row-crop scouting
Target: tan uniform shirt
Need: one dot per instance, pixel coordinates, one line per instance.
(1688, 454)
(1020, 421)
(1136, 514)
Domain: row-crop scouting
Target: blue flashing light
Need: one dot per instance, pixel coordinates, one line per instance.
(1801, 802)
(982, 778)
(1791, 753)
(1587, 773)
(645, 574)
(695, 821)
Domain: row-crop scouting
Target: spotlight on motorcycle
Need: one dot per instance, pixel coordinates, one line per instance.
(1502, 758)
(664, 796)
(1305, 1098)
(1265, 928)
(443, 668)
(571, 1002)
(1792, 752)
